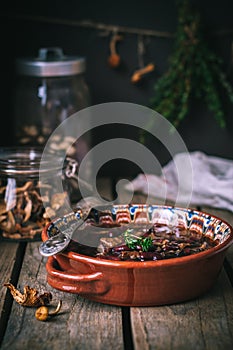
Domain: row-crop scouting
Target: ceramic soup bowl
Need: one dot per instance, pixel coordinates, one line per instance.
(135, 282)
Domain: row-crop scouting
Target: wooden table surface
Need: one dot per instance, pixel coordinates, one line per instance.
(203, 323)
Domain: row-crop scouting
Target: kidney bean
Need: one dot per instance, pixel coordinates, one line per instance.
(150, 256)
(120, 248)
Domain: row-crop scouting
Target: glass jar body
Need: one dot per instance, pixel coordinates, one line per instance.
(29, 201)
(43, 103)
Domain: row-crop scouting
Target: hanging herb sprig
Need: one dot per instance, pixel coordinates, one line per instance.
(194, 70)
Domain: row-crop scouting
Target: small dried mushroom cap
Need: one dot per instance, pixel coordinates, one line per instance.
(70, 139)
(42, 313)
(41, 139)
(31, 130)
(24, 140)
(46, 130)
(49, 213)
(71, 151)
(54, 146)
(114, 60)
(56, 138)
(58, 200)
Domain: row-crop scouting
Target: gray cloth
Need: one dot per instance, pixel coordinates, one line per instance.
(190, 179)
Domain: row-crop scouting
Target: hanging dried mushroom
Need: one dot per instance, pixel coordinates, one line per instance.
(140, 73)
(114, 58)
(143, 69)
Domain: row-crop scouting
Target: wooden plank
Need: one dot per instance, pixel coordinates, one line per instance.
(202, 324)
(8, 252)
(81, 324)
(9, 270)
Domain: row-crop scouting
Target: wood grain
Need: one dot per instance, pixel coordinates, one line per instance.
(8, 252)
(201, 324)
(81, 324)
(10, 263)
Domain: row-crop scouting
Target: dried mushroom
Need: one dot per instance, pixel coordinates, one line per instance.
(139, 74)
(30, 296)
(42, 313)
(114, 58)
(58, 200)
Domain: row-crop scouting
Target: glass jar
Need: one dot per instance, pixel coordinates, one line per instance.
(33, 191)
(50, 88)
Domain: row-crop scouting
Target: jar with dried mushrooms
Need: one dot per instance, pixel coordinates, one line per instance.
(33, 191)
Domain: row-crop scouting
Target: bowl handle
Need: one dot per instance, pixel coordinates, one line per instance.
(89, 283)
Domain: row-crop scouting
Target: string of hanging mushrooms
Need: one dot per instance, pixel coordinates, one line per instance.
(114, 59)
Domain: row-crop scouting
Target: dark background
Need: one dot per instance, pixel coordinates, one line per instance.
(23, 37)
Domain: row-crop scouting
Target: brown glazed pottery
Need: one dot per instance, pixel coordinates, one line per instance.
(142, 283)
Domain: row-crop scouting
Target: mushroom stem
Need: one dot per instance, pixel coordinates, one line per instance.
(58, 308)
(113, 42)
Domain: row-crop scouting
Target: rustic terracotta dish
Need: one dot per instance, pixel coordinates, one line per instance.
(137, 283)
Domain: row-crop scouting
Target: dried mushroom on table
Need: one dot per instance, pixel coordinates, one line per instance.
(30, 296)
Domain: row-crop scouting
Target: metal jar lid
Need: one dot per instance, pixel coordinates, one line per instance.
(51, 62)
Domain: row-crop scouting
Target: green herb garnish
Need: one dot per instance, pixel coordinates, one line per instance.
(133, 241)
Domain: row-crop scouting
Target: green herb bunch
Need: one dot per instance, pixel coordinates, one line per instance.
(194, 70)
(133, 241)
